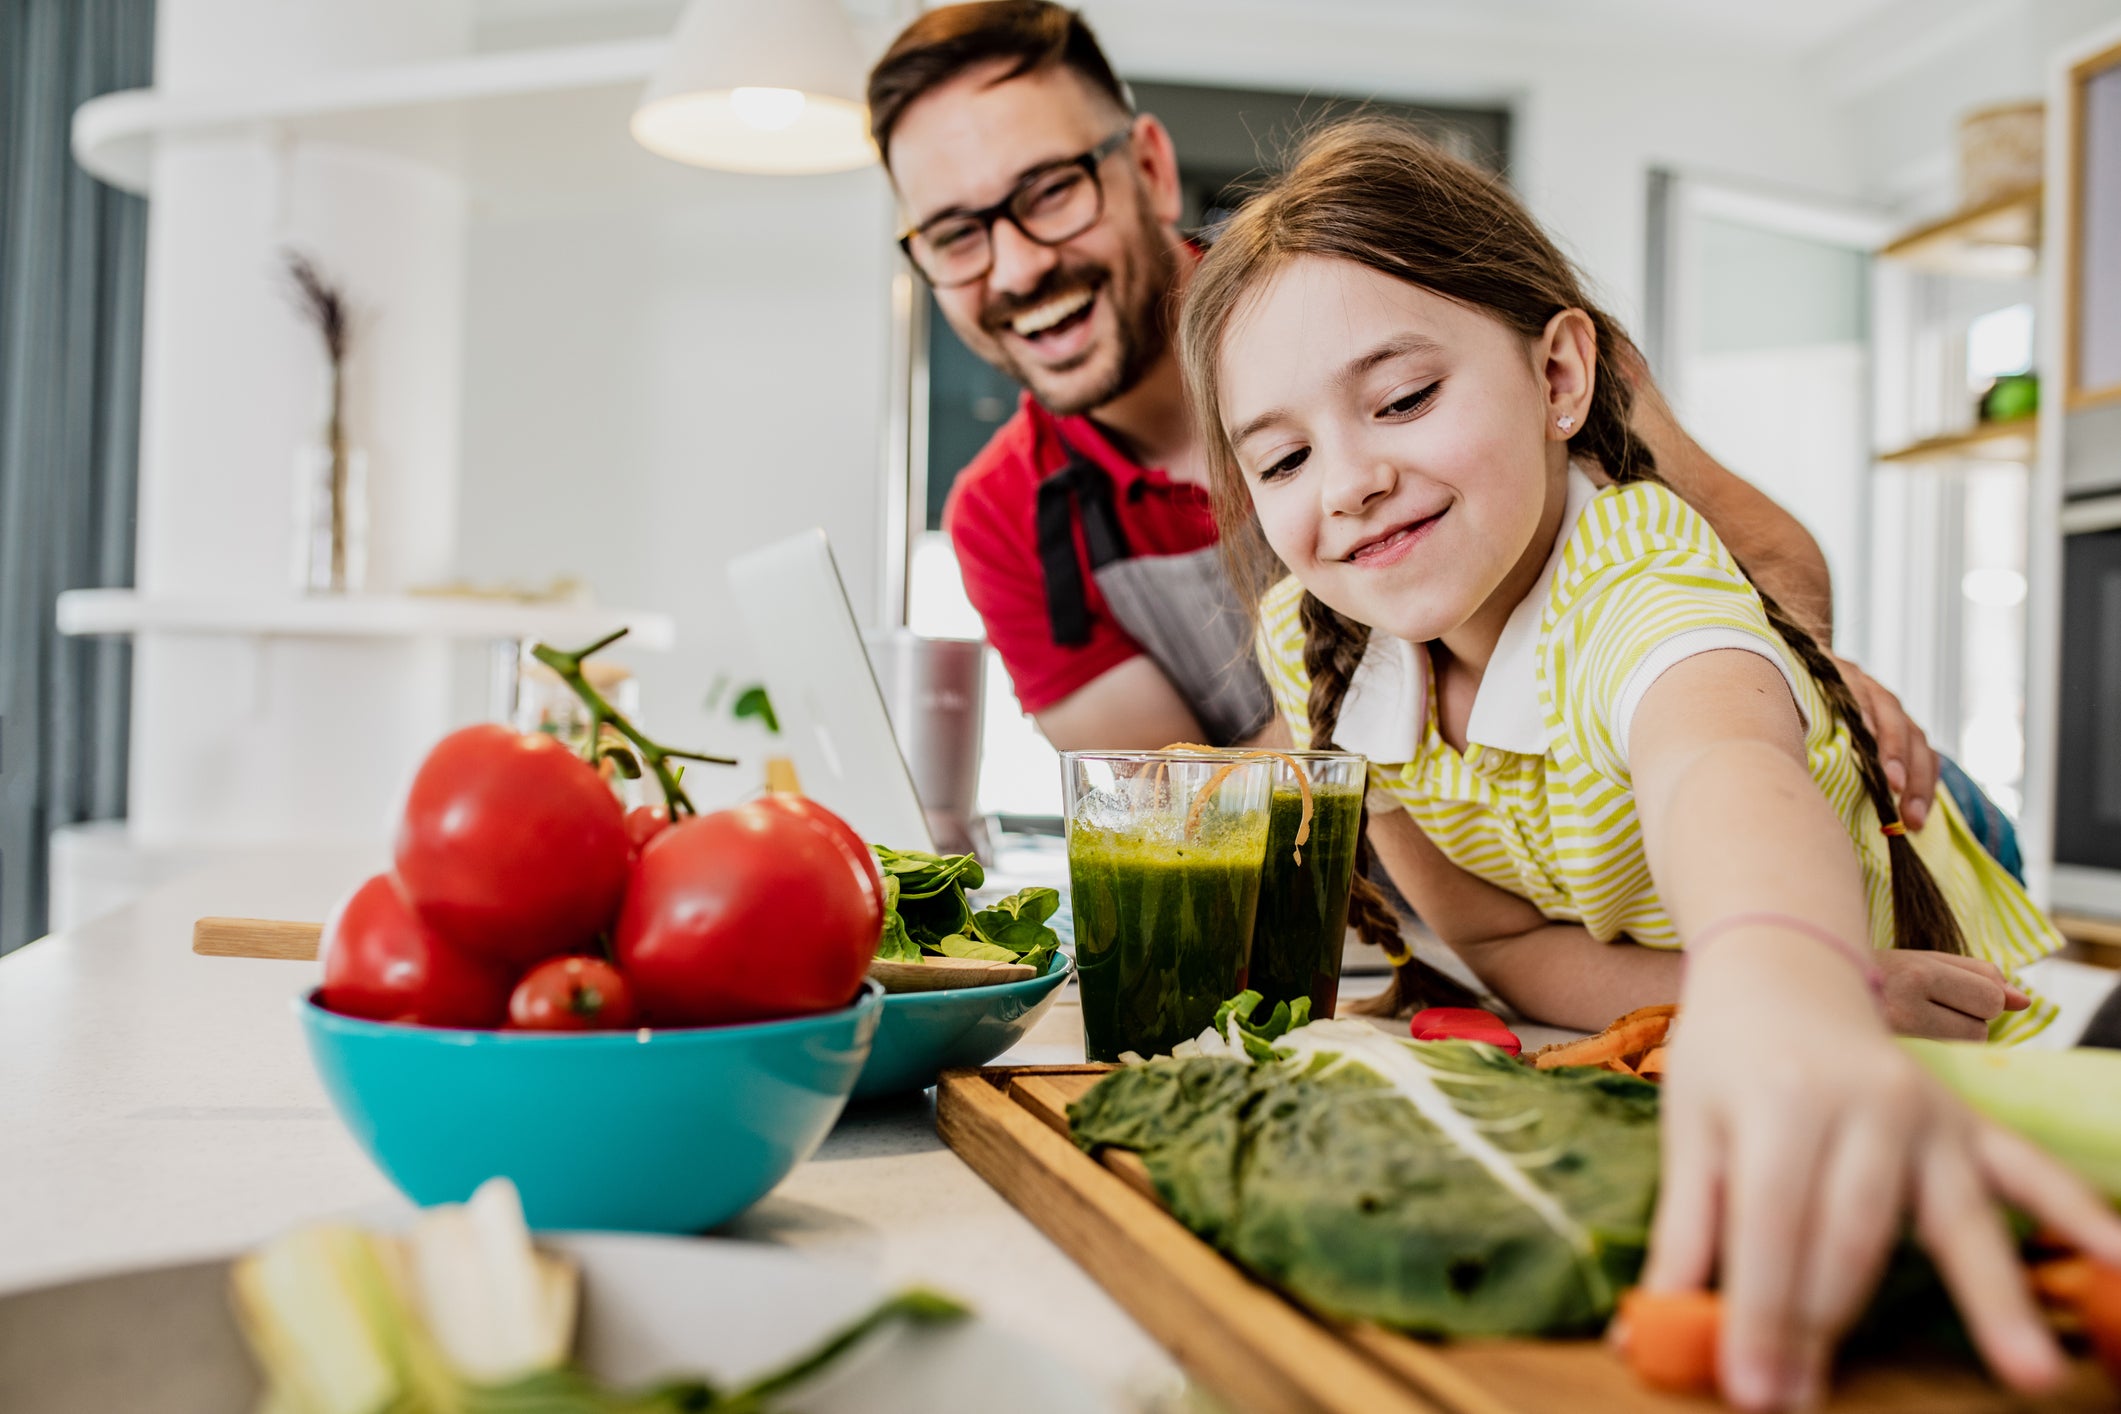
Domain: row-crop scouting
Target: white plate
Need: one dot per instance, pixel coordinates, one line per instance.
(653, 1308)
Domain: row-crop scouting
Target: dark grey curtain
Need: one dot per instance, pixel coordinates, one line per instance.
(73, 254)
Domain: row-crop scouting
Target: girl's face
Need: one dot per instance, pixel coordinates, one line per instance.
(1401, 449)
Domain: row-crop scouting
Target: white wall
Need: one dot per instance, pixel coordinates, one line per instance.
(1592, 115)
(661, 377)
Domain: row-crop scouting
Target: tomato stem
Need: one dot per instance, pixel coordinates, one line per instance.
(656, 755)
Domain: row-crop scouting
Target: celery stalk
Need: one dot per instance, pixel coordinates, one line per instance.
(2067, 1102)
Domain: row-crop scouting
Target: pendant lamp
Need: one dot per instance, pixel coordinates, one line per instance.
(759, 86)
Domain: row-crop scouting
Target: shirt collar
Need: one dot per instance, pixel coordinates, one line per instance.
(1385, 712)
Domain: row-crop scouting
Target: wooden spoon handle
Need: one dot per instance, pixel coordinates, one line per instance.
(256, 937)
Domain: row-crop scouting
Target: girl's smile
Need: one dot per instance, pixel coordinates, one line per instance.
(1396, 444)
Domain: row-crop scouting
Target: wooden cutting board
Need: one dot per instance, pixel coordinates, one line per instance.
(1265, 1355)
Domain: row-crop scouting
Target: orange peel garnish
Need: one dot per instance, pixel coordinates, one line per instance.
(1238, 758)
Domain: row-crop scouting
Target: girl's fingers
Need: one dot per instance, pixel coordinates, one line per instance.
(1973, 993)
(2025, 1177)
(1943, 1023)
(1768, 1254)
(1975, 1254)
(1862, 1192)
(1682, 1253)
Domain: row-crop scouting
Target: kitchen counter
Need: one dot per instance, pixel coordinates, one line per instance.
(157, 1106)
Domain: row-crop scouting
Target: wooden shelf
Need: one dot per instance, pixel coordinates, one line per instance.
(123, 611)
(1999, 238)
(417, 110)
(2013, 441)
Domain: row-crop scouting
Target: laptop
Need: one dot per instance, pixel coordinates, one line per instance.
(834, 725)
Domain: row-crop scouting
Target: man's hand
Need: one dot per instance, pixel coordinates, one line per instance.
(1945, 997)
(1910, 762)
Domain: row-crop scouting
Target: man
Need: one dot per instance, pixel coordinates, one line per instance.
(1043, 211)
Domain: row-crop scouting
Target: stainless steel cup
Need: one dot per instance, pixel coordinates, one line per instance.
(935, 692)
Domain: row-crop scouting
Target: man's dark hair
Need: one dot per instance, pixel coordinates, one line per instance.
(942, 44)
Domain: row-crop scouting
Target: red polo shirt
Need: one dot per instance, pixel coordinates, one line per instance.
(992, 517)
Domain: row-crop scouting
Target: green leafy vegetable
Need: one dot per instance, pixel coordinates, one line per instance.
(1441, 1188)
(928, 911)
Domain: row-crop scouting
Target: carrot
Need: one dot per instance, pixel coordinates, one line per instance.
(1638, 1031)
(1671, 1338)
(2099, 1304)
(1652, 1064)
(2061, 1281)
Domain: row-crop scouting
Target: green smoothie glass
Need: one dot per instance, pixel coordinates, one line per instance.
(1303, 891)
(1164, 855)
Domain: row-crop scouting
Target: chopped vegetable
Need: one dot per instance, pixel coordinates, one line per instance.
(1464, 1023)
(2061, 1281)
(465, 1316)
(1670, 1338)
(1639, 1031)
(1435, 1187)
(928, 912)
(2100, 1308)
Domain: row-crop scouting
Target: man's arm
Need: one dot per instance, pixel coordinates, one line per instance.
(1784, 560)
(1775, 550)
(1132, 707)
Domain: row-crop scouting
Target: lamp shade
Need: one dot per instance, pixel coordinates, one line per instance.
(759, 86)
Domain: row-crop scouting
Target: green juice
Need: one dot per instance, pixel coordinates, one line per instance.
(1303, 908)
(1161, 932)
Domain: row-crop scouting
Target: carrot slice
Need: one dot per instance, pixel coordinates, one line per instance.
(1652, 1064)
(1671, 1338)
(1640, 1030)
(2061, 1281)
(2099, 1304)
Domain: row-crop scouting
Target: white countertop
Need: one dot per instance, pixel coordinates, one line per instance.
(157, 1106)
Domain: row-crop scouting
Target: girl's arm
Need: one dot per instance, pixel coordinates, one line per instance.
(1797, 1135)
(1555, 973)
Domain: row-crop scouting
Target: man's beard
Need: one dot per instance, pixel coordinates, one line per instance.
(1140, 324)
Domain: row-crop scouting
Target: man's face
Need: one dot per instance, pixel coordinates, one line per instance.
(1078, 323)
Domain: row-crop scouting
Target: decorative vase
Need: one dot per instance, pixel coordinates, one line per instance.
(331, 518)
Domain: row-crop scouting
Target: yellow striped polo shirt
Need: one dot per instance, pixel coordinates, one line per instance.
(1540, 802)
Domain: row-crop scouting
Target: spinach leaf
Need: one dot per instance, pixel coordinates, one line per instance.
(928, 912)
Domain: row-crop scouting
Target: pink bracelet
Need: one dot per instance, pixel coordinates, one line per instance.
(1864, 959)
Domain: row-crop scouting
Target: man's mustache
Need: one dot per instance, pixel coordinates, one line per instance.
(1002, 309)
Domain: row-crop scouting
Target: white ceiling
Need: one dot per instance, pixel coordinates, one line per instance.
(1783, 27)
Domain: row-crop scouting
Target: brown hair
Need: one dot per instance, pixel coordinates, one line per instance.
(940, 45)
(1372, 191)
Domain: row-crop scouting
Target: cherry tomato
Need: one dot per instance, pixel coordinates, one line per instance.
(644, 823)
(572, 994)
(763, 911)
(511, 846)
(384, 962)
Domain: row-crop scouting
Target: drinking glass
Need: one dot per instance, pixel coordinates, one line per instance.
(1303, 891)
(1164, 856)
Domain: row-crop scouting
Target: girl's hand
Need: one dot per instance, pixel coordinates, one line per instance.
(1945, 997)
(1798, 1140)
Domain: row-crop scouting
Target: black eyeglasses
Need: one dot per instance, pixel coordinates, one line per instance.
(1049, 204)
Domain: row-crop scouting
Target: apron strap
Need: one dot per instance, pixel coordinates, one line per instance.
(1080, 489)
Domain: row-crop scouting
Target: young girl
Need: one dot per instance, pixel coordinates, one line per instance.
(1592, 726)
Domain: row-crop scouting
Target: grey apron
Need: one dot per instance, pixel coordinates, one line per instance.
(1181, 609)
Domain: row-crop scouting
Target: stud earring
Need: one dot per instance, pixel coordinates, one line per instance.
(1565, 422)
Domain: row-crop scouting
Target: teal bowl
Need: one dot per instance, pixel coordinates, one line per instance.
(924, 1034)
(638, 1131)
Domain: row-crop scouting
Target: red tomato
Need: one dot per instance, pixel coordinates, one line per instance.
(382, 961)
(644, 823)
(511, 846)
(572, 994)
(763, 911)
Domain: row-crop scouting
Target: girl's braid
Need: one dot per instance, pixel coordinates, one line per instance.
(1333, 648)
